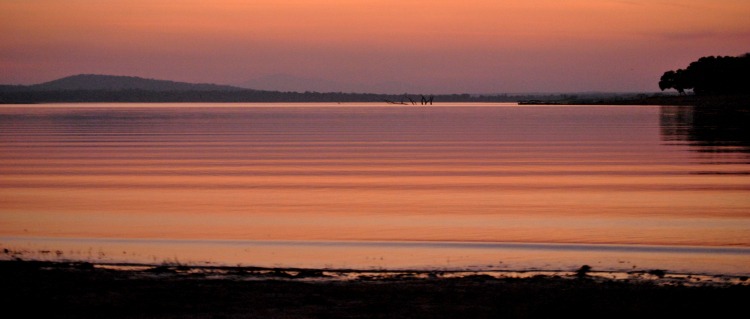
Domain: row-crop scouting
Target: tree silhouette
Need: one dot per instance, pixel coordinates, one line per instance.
(674, 80)
(711, 75)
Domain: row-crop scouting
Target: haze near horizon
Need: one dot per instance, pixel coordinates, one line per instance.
(442, 46)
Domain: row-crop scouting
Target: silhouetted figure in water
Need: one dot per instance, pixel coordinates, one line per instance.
(424, 100)
(410, 100)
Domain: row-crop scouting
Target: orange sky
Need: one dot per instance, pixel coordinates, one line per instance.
(435, 46)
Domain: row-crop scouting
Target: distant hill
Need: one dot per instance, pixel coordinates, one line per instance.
(116, 83)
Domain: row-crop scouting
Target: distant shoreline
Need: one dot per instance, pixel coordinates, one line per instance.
(727, 101)
(92, 88)
(250, 96)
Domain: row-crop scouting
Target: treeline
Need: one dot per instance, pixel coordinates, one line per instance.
(711, 75)
(17, 95)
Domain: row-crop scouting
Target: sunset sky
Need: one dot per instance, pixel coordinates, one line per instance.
(416, 46)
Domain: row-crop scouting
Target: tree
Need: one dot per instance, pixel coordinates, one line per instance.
(674, 80)
(711, 75)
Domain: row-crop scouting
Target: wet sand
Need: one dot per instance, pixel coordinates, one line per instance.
(84, 290)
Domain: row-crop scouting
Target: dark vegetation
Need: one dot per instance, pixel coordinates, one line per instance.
(716, 82)
(59, 290)
(711, 76)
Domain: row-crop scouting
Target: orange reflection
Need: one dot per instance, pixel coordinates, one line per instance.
(73, 180)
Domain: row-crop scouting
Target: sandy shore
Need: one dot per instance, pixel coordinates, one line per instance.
(84, 290)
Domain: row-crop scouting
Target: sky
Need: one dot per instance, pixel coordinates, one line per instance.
(380, 46)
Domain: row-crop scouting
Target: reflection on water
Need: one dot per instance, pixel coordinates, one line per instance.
(706, 129)
(369, 185)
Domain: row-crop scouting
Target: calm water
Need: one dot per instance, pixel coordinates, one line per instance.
(459, 186)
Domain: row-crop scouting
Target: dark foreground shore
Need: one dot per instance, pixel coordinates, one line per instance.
(82, 290)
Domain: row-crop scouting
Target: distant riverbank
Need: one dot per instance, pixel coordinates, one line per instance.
(726, 101)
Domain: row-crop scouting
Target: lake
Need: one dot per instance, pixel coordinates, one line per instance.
(377, 186)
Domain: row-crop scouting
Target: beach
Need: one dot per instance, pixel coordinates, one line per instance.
(85, 290)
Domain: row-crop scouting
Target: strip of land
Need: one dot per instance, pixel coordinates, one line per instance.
(715, 101)
(84, 290)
